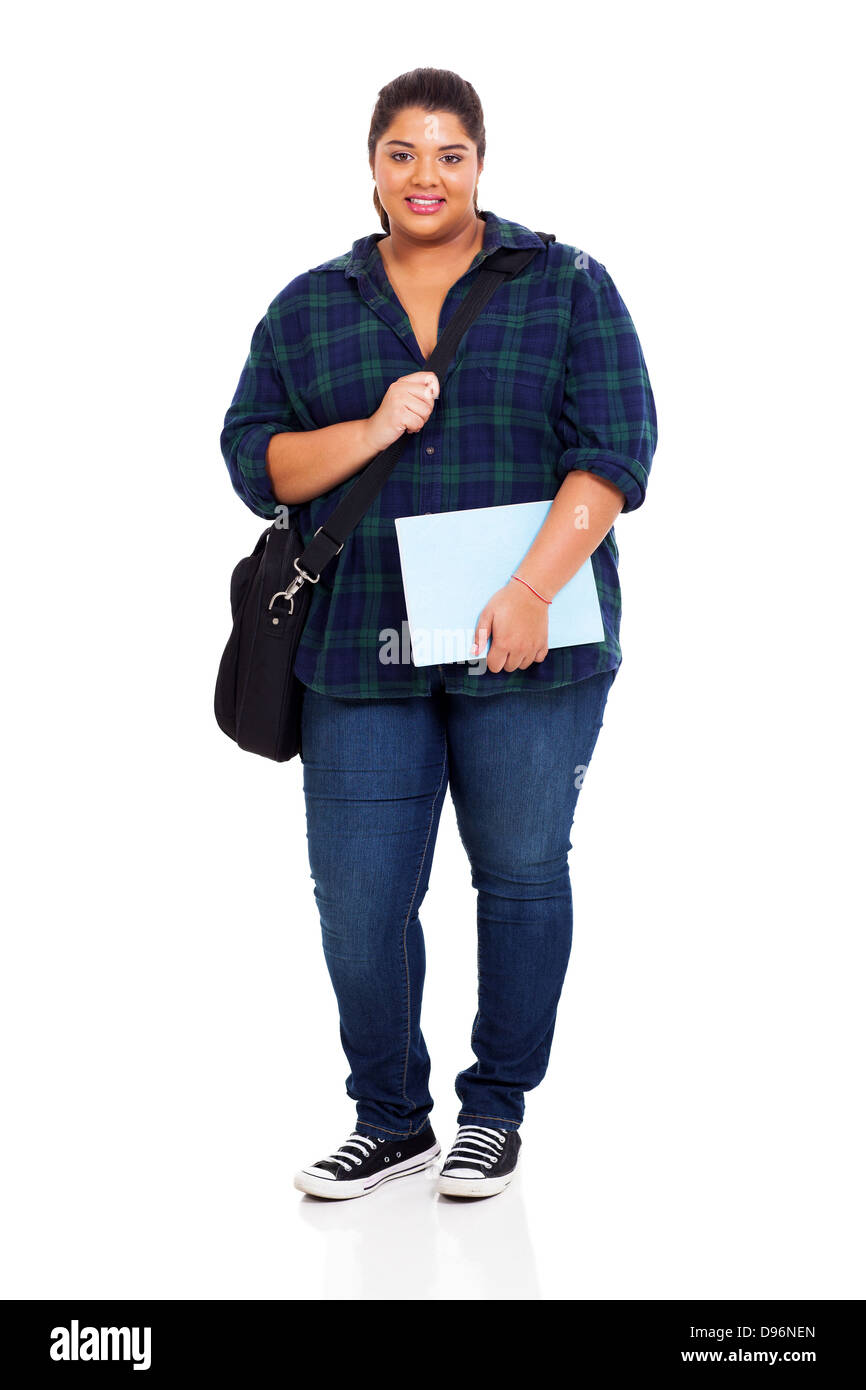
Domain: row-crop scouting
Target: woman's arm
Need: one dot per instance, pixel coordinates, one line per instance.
(272, 458)
(303, 464)
(580, 517)
(609, 429)
(308, 463)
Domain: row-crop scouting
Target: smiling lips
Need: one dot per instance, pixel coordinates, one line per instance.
(425, 205)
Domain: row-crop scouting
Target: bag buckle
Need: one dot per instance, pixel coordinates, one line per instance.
(289, 592)
(330, 538)
(311, 578)
(296, 583)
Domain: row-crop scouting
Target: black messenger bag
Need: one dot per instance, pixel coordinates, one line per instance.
(258, 699)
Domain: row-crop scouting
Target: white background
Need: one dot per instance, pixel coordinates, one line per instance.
(169, 1035)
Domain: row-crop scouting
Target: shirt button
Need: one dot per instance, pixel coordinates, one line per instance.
(430, 449)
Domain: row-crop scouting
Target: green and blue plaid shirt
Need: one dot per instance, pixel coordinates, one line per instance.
(549, 378)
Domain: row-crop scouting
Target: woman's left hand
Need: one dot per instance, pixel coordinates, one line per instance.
(516, 622)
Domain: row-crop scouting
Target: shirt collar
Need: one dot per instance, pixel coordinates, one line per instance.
(498, 231)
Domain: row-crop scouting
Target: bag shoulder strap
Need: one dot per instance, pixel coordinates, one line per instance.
(328, 541)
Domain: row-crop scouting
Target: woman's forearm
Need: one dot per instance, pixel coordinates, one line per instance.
(580, 516)
(303, 464)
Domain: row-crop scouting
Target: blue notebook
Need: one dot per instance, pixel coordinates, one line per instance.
(453, 562)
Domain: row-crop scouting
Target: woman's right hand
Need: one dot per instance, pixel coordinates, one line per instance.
(406, 408)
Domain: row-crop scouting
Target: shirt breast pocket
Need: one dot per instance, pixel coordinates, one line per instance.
(521, 357)
(500, 373)
(520, 390)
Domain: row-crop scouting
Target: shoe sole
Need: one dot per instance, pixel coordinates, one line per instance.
(472, 1187)
(335, 1190)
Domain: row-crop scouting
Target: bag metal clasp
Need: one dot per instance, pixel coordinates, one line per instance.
(296, 584)
(287, 594)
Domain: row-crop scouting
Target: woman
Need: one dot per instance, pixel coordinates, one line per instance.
(547, 397)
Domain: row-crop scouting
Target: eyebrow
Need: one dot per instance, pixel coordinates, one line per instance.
(411, 146)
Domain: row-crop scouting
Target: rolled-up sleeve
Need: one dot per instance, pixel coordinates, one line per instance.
(608, 419)
(260, 409)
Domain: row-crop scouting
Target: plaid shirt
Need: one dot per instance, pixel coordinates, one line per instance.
(549, 378)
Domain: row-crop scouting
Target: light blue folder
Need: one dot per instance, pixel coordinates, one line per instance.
(453, 562)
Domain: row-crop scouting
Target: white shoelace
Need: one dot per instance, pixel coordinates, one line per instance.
(354, 1141)
(478, 1144)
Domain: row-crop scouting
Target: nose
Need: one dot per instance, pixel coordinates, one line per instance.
(426, 176)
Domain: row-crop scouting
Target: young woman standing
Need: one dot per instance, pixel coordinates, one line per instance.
(547, 397)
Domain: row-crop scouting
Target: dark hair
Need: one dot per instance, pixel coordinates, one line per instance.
(433, 89)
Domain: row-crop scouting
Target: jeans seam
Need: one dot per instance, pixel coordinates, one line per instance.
(409, 915)
(478, 974)
(398, 1134)
(470, 1115)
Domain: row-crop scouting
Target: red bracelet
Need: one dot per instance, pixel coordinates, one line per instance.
(535, 591)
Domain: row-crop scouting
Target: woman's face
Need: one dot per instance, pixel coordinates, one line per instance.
(426, 155)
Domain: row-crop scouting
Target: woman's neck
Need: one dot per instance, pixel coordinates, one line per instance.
(404, 256)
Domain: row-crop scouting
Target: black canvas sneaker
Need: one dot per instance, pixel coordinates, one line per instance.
(363, 1164)
(481, 1162)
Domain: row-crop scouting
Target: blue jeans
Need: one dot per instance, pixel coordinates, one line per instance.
(375, 777)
